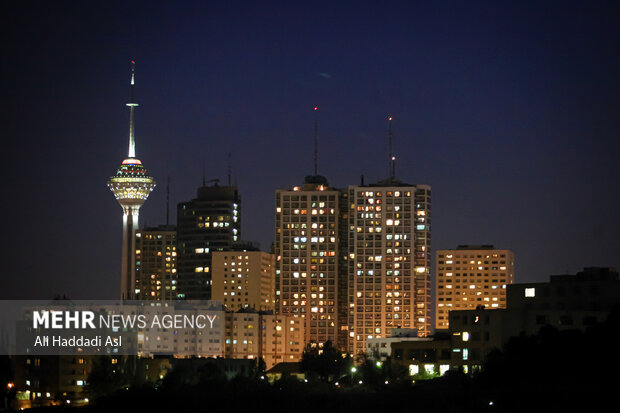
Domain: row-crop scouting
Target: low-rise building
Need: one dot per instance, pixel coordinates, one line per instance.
(428, 356)
(381, 347)
(565, 302)
(471, 276)
(275, 338)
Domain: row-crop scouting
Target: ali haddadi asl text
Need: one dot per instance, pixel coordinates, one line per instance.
(78, 341)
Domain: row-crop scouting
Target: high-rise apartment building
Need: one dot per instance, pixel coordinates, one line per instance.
(244, 279)
(156, 263)
(471, 276)
(210, 222)
(309, 262)
(389, 260)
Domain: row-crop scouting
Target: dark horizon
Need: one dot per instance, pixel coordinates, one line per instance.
(508, 111)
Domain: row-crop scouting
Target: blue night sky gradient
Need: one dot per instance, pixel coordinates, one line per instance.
(509, 110)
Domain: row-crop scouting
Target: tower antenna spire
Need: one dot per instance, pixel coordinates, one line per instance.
(316, 140)
(392, 158)
(132, 105)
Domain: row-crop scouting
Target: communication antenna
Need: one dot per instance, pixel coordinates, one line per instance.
(316, 140)
(392, 158)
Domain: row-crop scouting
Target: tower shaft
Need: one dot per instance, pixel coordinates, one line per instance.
(128, 260)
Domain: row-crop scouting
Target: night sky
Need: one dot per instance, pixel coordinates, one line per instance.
(509, 110)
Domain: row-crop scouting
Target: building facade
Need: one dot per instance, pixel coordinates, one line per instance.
(156, 263)
(244, 279)
(471, 276)
(389, 261)
(210, 222)
(283, 339)
(275, 338)
(309, 265)
(566, 302)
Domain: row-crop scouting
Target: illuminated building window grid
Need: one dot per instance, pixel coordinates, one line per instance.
(471, 278)
(373, 215)
(156, 257)
(368, 210)
(307, 237)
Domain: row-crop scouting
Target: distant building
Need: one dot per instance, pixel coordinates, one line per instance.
(242, 335)
(428, 356)
(210, 222)
(61, 380)
(389, 261)
(566, 302)
(51, 380)
(275, 338)
(156, 263)
(182, 342)
(283, 339)
(381, 347)
(285, 369)
(244, 279)
(311, 275)
(471, 276)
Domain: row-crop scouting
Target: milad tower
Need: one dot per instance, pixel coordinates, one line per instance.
(131, 186)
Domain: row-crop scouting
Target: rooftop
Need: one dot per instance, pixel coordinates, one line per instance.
(475, 247)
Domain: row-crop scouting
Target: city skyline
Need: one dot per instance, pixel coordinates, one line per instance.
(519, 152)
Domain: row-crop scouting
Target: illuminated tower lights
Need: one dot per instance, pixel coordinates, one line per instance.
(131, 186)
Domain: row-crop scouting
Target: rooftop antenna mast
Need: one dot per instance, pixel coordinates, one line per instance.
(168, 201)
(316, 140)
(392, 158)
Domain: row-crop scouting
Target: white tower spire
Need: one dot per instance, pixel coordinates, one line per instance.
(132, 105)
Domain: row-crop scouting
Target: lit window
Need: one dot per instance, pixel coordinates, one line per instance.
(530, 292)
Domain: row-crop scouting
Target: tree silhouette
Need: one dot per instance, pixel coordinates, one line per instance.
(326, 363)
(107, 377)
